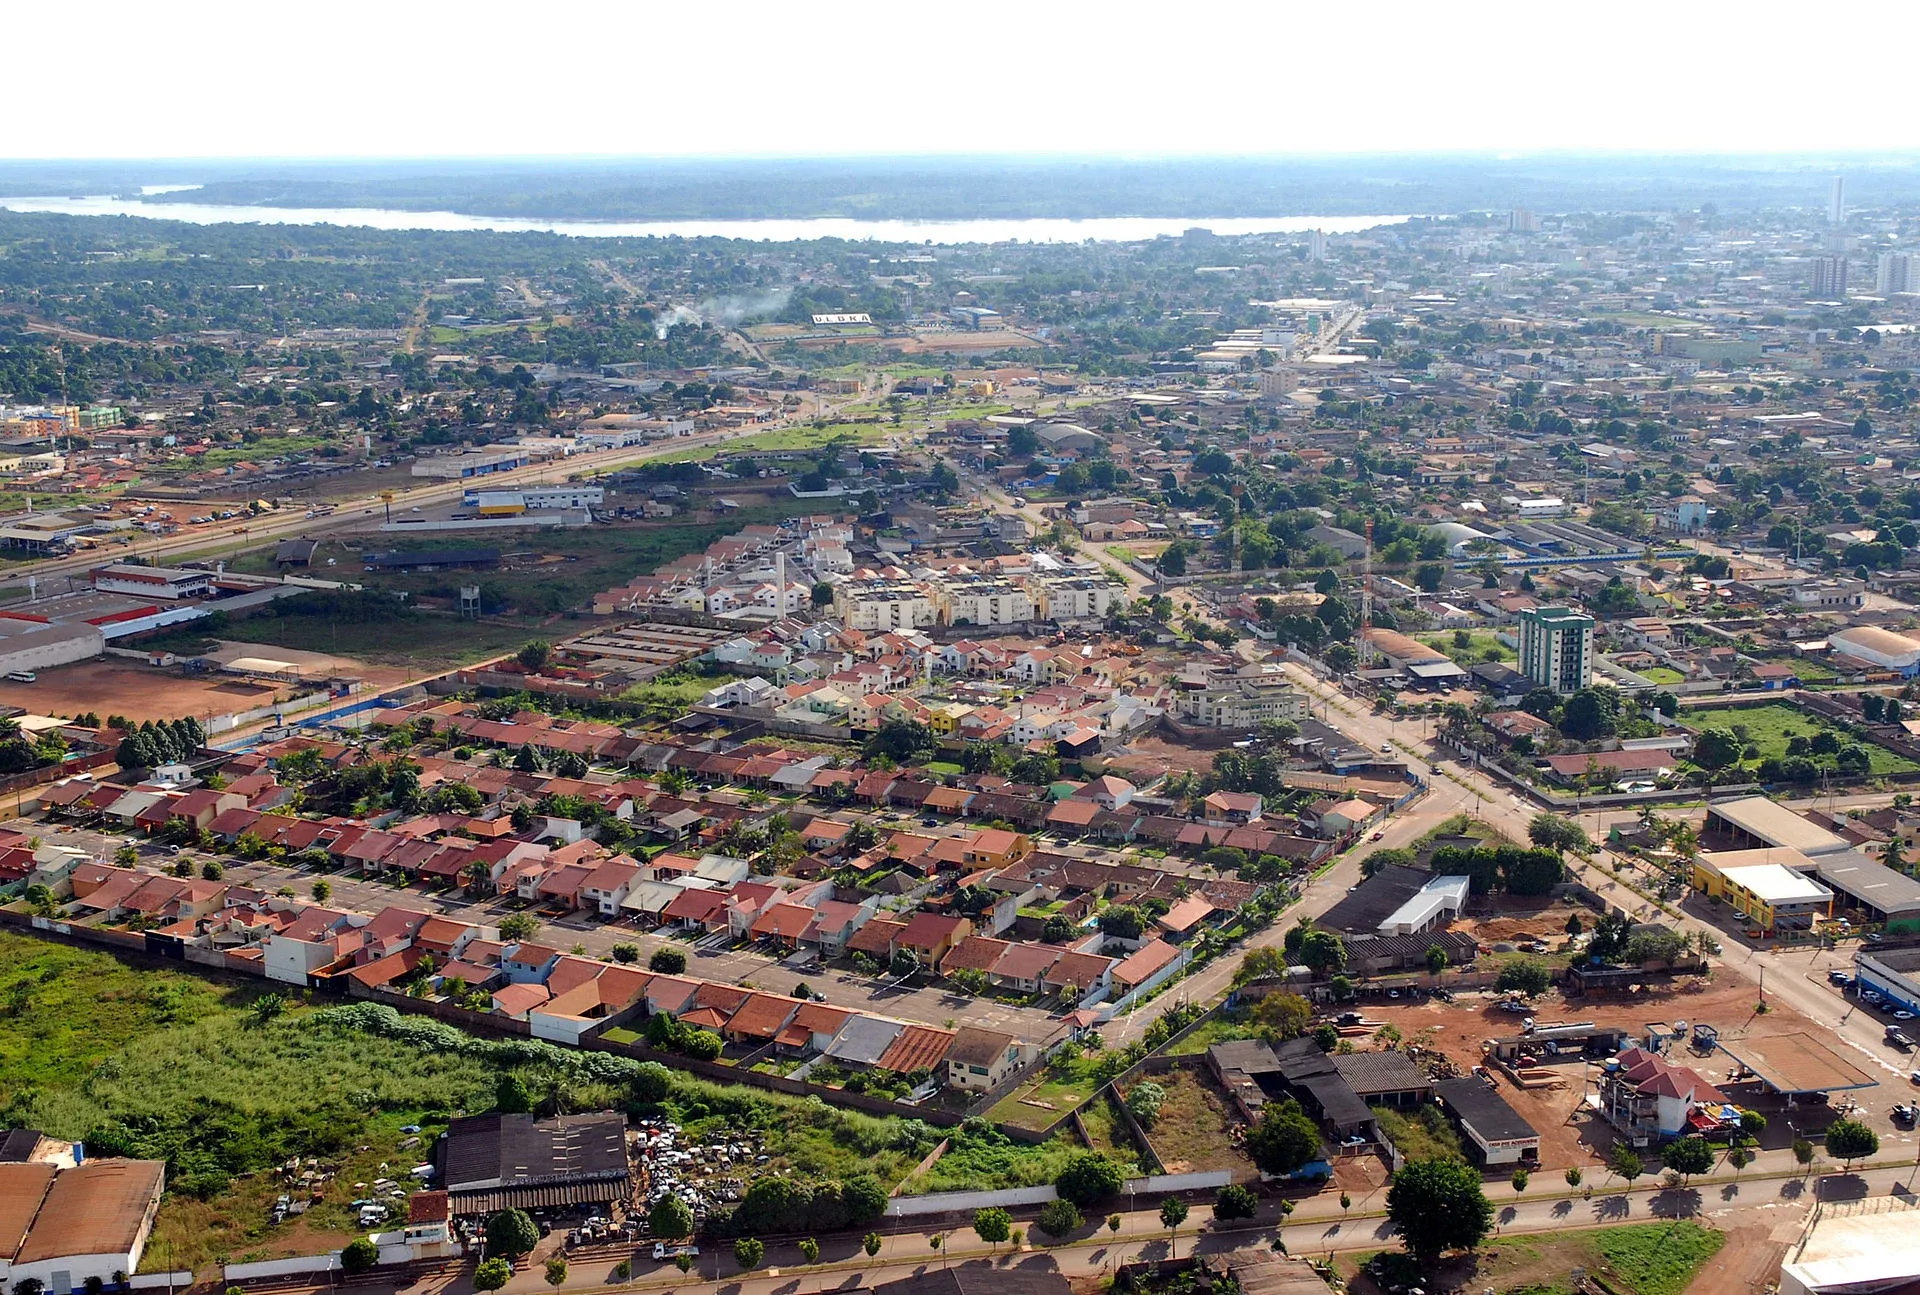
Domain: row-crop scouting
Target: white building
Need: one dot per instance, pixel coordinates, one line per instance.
(151, 582)
(883, 604)
(77, 1225)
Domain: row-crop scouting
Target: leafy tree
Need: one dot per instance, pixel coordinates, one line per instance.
(1625, 1163)
(1688, 1156)
(670, 1219)
(1284, 1139)
(1122, 922)
(511, 1233)
(1436, 959)
(1553, 832)
(1438, 1205)
(1590, 713)
(1058, 1218)
(556, 1272)
(810, 1250)
(519, 927)
(871, 1243)
(821, 594)
(1144, 1101)
(359, 1255)
(749, 1252)
(1235, 1202)
(1803, 1151)
(993, 1225)
(510, 1095)
(1849, 1140)
(1324, 951)
(1520, 1180)
(491, 1275)
(1716, 748)
(1173, 1212)
(668, 962)
(322, 891)
(702, 1045)
(535, 654)
(1088, 1177)
(1524, 976)
(650, 1083)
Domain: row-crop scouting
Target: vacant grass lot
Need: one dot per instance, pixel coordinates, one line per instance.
(143, 1060)
(1481, 645)
(1770, 726)
(1192, 1132)
(785, 438)
(1634, 1259)
(427, 642)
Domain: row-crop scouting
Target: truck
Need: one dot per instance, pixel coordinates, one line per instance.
(1898, 1038)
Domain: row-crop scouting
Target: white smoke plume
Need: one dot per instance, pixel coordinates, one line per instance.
(726, 311)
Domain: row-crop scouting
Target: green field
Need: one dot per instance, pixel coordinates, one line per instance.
(786, 438)
(1633, 1259)
(426, 642)
(1662, 674)
(147, 1061)
(1481, 645)
(1769, 726)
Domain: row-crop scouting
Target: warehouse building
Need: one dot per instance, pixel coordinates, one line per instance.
(1856, 1248)
(501, 1162)
(151, 582)
(1894, 973)
(66, 1227)
(1878, 649)
(1500, 1135)
(1769, 833)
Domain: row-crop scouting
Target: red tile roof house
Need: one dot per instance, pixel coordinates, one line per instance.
(714, 1004)
(1077, 974)
(746, 901)
(876, 939)
(1022, 966)
(1140, 966)
(782, 924)
(979, 1059)
(608, 884)
(1233, 808)
(917, 1048)
(975, 953)
(812, 1028)
(760, 1019)
(834, 922)
(390, 930)
(569, 1015)
(928, 936)
(560, 887)
(696, 910)
(514, 1001)
(1185, 917)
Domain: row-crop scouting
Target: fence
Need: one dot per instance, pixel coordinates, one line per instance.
(901, 1207)
(270, 1269)
(160, 1281)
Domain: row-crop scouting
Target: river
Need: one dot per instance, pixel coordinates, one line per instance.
(1039, 230)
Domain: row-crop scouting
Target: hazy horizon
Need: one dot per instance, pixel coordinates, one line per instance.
(856, 78)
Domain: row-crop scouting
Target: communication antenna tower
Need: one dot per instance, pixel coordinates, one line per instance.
(1366, 598)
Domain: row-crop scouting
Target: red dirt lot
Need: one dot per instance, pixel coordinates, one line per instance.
(108, 687)
(1567, 1137)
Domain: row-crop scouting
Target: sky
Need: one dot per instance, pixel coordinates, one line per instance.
(716, 78)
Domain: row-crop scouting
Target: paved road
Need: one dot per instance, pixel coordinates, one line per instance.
(1797, 976)
(1318, 1227)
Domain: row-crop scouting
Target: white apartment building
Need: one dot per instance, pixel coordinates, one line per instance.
(883, 605)
(985, 601)
(1074, 598)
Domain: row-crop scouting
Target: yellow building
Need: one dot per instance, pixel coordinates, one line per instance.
(1764, 887)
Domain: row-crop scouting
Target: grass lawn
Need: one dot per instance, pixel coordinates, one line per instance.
(1657, 1258)
(1036, 1106)
(1769, 726)
(1662, 674)
(1481, 645)
(1221, 1029)
(666, 698)
(1633, 1258)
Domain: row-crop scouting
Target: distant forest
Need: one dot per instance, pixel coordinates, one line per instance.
(1001, 188)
